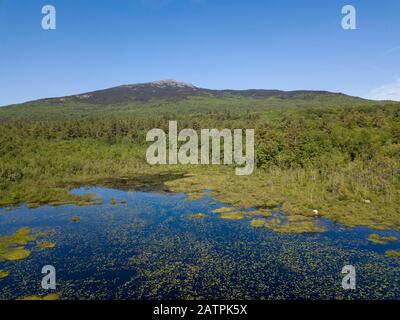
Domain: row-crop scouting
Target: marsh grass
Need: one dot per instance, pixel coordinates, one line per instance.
(299, 191)
(261, 213)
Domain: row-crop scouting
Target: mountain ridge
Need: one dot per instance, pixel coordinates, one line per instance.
(172, 89)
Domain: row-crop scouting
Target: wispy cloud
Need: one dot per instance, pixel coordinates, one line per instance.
(390, 91)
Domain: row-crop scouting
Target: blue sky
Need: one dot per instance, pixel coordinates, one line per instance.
(238, 44)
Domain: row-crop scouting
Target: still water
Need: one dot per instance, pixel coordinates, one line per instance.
(147, 246)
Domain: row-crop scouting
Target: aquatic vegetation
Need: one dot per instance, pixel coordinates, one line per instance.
(298, 218)
(297, 225)
(18, 253)
(393, 253)
(43, 245)
(76, 219)
(224, 210)
(198, 216)
(3, 274)
(114, 201)
(233, 215)
(193, 196)
(33, 205)
(55, 196)
(293, 195)
(48, 297)
(155, 250)
(12, 247)
(257, 223)
(377, 239)
(261, 213)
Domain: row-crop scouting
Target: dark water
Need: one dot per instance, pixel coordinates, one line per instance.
(151, 248)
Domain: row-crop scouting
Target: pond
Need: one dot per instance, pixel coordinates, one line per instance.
(147, 245)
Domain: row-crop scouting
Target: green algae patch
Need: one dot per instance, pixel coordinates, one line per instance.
(295, 225)
(224, 210)
(377, 239)
(3, 274)
(12, 247)
(14, 254)
(43, 245)
(233, 215)
(257, 223)
(75, 219)
(48, 297)
(393, 253)
(198, 216)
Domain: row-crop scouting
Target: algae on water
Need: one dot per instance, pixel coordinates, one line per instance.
(3, 274)
(198, 216)
(377, 239)
(48, 297)
(46, 245)
(393, 253)
(233, 215)
(257, 223)
(223, 210)
(13, 247)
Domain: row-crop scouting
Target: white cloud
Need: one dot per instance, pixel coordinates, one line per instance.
(390, 91)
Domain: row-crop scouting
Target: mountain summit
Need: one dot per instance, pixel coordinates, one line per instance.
(171, 83)
(161, 89)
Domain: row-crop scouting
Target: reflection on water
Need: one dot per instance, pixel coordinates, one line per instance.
(147, 246)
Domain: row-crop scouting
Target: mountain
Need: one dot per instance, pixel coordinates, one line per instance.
(172, 97)
(172, 89)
